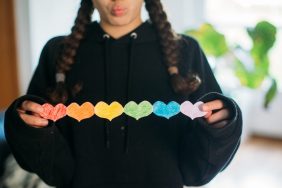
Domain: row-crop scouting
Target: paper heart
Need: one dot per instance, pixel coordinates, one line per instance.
(144, 109)
(109, 112)
(86, 110)
(167, 111)
(191, 110)
(53, 113)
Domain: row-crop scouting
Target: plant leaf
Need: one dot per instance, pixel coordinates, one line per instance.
(271, 93)
(212, 41)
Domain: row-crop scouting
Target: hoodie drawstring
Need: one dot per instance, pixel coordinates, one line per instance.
(106, 78)
(133, 36)
(106, 37)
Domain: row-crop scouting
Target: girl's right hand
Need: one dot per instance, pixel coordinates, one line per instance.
(29, 112)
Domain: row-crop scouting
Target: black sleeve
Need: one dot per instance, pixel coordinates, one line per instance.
(44, 151)
(205, 149)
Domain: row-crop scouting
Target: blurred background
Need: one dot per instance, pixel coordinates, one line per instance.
(241, 38)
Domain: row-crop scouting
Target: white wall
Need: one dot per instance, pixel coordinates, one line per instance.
(184, 14)
(48, 19)
(36, 22)
(23, 43)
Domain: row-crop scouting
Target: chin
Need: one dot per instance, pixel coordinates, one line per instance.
(119, 23)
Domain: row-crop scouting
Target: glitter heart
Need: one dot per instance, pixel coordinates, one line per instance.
(53, 113)
(191, 110)
(167, 111)
(86, 110)
(144, 109)
(109, 112)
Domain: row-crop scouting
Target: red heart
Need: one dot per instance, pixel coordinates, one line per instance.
(53, 113)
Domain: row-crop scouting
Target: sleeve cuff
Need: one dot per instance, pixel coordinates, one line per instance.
(234, 122)
(14, 122)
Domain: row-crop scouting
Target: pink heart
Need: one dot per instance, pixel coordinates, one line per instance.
(191, 110)
(53, 113)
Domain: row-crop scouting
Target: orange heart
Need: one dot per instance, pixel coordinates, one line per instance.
(86, 110)
(53, 113)
(109, 112)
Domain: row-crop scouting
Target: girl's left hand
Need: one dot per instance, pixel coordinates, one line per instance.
(217, 112)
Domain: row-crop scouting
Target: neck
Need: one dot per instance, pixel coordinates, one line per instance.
(119, 31)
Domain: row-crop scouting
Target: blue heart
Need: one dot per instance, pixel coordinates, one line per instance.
(167, 111)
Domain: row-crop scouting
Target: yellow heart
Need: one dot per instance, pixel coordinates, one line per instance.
(109, 112)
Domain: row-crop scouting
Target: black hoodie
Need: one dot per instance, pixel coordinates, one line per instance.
(153, 152)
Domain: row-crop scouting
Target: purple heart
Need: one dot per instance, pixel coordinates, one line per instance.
(192, 111)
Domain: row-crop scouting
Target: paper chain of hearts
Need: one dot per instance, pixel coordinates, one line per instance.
(115, 109)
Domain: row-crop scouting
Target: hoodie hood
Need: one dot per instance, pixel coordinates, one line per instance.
(141, 34)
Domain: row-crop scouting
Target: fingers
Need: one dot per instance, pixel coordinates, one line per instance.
(213, 105)
(33, 121)
(29, 112)
(218, 116)
(216, 112)
(208, 114)
(32, 107)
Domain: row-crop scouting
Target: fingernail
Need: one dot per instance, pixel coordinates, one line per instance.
(44, 122)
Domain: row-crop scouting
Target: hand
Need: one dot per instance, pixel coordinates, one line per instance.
(217, 113)
(32, 118)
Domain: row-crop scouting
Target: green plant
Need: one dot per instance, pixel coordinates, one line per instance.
(212, 41)
(263, 37)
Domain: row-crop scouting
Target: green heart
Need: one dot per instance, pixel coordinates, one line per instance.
(144, 109)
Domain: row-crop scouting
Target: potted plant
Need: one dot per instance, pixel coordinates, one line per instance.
(263, 37)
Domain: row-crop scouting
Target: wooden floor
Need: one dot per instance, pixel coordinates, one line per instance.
(258, 164)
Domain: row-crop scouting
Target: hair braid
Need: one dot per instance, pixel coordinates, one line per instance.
(170, 43)
(69, 51)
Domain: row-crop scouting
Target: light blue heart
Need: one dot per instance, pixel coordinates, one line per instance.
(166, 110)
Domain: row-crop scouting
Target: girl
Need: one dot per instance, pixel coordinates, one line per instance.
(123, 59)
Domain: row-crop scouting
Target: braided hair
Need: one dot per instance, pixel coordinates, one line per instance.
(68, 52)
(170, 43)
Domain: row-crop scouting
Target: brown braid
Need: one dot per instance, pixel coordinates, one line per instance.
(69, 50)
(171, 43)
